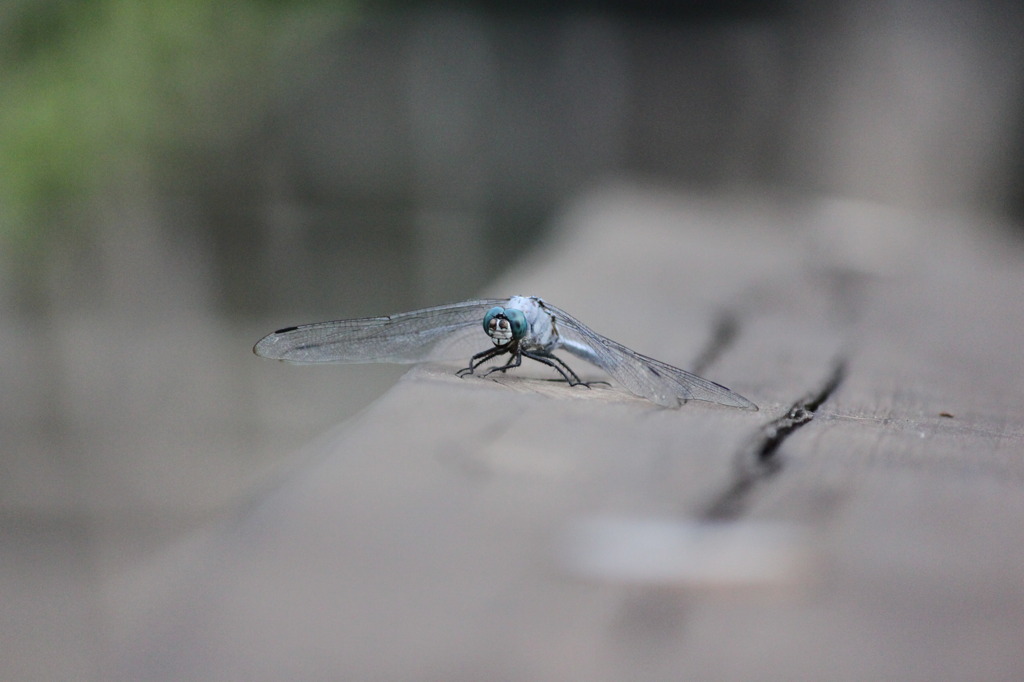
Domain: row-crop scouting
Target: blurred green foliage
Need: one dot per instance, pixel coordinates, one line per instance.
(93, 89)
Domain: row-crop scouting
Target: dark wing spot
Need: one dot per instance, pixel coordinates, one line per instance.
(286, 330)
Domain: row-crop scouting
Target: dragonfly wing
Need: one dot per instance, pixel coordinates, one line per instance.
(657, 381)
(428, 334)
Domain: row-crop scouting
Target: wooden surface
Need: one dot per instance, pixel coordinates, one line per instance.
(520, 529)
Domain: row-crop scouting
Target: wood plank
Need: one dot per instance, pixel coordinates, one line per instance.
(522, 529)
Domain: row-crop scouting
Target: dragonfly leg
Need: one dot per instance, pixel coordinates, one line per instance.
(482, 357)
(552, 360)
(516, 360)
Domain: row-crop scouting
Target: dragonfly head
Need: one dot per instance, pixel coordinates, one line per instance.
(505, 324)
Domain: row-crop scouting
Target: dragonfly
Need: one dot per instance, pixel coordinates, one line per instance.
(518, 327)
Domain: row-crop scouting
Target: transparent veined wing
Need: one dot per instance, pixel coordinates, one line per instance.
(429, 334)
(646, 377)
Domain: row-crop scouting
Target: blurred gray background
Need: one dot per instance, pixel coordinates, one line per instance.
(179, 178)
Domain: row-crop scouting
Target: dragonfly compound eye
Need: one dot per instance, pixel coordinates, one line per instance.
(517, 319)
(491, 314)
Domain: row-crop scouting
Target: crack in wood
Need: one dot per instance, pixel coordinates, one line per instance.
(758, 461)
(722, 337)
